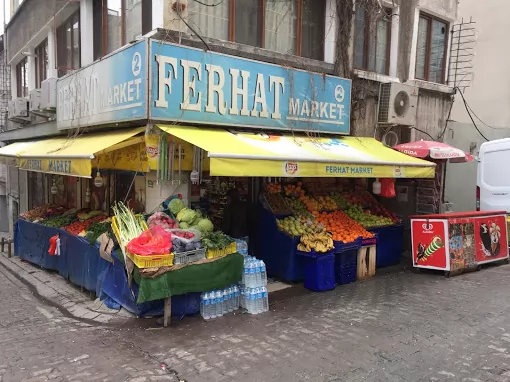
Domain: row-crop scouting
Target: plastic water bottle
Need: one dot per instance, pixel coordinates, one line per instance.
(219, 303)
(230, 299)
(257, 273)
(263, 273)
(202, 304)
(242, 302)
(253, 270)
(249, 300)
(236, 297)
(253, 299)
(246, 271)
(265, 300)
(226, 301)
(212, 305)
(260, 296)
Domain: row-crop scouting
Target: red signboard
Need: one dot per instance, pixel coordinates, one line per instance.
(429, 243)
(490, 238)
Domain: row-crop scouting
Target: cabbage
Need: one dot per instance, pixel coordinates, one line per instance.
(186, 215)
(176, 205)
(205, 225)
(183, 225)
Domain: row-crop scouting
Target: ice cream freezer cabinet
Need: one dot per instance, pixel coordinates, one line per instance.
(455, 242)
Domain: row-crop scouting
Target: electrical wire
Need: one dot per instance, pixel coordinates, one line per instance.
(193, 30)
(424, 132)
(470, 116)
(209, 5)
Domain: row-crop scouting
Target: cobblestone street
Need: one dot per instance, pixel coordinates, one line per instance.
(397, 327)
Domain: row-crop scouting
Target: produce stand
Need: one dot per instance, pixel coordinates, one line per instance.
(79, 261)
(290, 211)
(456, 242)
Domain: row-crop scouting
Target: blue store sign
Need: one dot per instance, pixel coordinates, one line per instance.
(110, 90)
(192, 86)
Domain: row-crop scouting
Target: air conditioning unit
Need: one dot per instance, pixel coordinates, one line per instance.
(397, 104)
(49, 95)
(18, 110)
(35, 100)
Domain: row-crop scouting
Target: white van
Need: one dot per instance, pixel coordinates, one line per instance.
(493, 176)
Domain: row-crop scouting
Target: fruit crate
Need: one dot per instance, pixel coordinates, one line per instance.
(340, 246)
(389, 245)
(229, 249)
(319, 271)
(346, 264)
(152, 260)
(368, 241)
(189, 256)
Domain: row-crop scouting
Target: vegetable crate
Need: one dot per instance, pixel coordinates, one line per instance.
(116, 230)
(189, 256)
(142, 261)
(319, 271)
(152, 261)
(229, 249)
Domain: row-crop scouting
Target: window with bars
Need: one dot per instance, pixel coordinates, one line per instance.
(119, 22)
(372, 41)
(41, 63)
(22, 78)
(292, 26)
(431, 49)
(68, 45)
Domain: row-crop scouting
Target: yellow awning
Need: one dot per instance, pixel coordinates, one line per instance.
(76, 156)
(233, 154)
(14, 149)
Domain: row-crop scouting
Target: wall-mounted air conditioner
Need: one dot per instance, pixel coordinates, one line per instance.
(49, 95)
(397, 104)
(35, 100)
(18, 110)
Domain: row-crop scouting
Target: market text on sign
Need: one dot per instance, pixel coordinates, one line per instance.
(360, 170)
(60, 166)
(206, 89)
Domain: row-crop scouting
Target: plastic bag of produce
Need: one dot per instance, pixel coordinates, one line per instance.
(388, 188)
(163, 220)
(186, 235)
(154, 241)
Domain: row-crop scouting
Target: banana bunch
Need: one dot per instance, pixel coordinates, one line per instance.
(319, 242)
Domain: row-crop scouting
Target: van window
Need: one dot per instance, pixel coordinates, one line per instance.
(496, 169)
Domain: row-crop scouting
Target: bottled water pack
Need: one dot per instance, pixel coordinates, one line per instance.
(254, 273)
(216, 303)
(255, 300)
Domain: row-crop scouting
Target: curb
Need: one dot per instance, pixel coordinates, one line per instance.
(58, 292)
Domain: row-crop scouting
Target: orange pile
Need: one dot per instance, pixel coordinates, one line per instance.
(274, 188)
(342, 227)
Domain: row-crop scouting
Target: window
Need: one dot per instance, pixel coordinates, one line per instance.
(431, 49)
(372, 39)
(41, 63)
(291, 26)
(68, 45)
(118, 22)
(21, 78)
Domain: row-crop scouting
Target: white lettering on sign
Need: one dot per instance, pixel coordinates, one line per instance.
(90, 96)
(261, 98)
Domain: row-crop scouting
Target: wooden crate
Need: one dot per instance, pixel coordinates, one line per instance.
(366, 262)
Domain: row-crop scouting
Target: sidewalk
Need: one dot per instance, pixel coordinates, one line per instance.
(58, 292)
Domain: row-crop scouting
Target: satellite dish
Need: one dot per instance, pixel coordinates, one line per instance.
(401, 103)
(390, 139)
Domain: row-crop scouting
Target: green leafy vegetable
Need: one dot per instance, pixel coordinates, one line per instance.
(215, 240)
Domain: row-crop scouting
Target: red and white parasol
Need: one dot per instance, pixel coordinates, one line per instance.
(433, 150)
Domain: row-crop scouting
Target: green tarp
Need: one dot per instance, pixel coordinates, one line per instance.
(193, 278)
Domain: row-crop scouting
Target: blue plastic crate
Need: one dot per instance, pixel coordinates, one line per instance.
(342, 247)
(319, 272)
(346, 264)
(389, 245)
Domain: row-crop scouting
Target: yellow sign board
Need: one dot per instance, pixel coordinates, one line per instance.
(64, 166)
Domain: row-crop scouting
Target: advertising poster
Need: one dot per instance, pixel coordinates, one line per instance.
(491, 238)
(429, 243)
(462, 244)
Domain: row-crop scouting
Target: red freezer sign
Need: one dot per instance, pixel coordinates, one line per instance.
(491, 238)
(429, 244)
